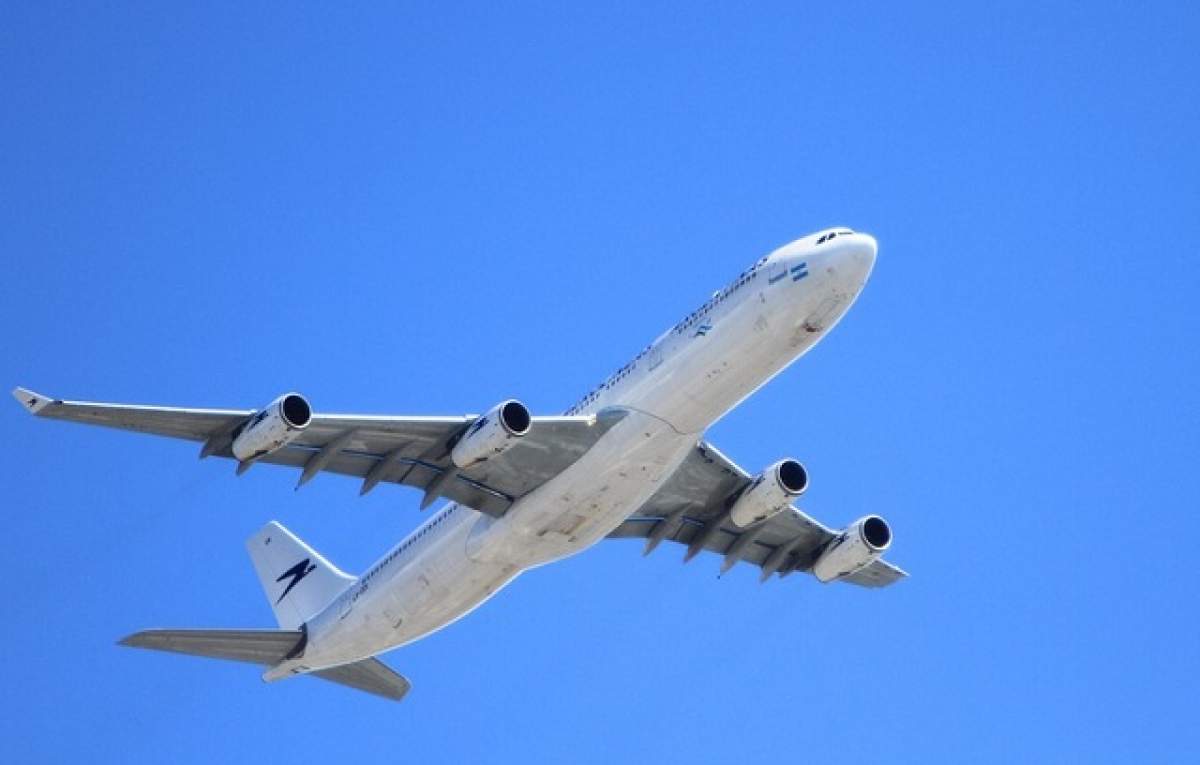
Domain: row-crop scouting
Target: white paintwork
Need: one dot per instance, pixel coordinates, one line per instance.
(852, 550)
(766, 497)
(274, 551)
(269, 429)
(489, 436)
(688, 378)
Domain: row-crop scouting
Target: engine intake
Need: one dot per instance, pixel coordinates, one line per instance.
(272, 427)
(770, 492)
(492, 434)
(856, 547)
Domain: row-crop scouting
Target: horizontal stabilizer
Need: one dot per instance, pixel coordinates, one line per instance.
(266, 647)
(269, 648)
(370, 675)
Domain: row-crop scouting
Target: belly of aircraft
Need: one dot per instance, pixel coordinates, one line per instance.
(585, 502)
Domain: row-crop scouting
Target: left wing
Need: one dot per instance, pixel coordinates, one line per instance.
(414, 451)
(692, 508)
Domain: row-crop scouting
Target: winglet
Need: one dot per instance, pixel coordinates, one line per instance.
(34, 402)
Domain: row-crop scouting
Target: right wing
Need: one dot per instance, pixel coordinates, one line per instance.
(414, 451)
(692, 509)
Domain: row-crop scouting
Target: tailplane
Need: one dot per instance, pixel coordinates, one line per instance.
(370, 675)
(269, 648)
(298, 582)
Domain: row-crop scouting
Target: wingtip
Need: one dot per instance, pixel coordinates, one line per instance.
(399, 693)
(32, 401)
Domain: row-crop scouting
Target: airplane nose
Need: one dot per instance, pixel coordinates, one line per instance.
(863, 253)
(855, 258)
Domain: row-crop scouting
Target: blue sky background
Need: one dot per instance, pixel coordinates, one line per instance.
(416, 211)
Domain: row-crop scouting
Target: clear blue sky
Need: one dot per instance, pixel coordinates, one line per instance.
(422, 212)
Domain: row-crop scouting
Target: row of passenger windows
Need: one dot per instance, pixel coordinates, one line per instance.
(692, 318)
(720, 296)
(409, 542)
(617, 376)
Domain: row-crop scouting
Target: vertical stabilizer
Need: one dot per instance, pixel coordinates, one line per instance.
(298, 582)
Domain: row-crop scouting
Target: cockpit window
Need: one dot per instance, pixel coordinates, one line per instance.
(833, 234)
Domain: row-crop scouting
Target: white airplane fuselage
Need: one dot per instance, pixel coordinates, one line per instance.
(690, 377)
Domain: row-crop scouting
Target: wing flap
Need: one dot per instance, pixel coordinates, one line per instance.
(407, 471)
(879, 573)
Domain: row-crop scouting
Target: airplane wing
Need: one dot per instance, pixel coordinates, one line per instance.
(692, 509)
(413, 451)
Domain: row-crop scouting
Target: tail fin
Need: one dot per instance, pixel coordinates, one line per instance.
(296, 579)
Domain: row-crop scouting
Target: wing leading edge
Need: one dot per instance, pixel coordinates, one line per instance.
(268, 648)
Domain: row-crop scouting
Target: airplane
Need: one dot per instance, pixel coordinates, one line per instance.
(629, 460)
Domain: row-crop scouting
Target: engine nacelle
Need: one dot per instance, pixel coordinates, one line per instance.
(491, 434)
(272, 427)
(770, 493)
(857, 546)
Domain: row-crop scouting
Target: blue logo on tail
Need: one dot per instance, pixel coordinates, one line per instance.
(296, 572)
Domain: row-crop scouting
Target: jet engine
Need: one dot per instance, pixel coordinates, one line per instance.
(856, 547)
(272, 427)
(769, 493)
(492, 433)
